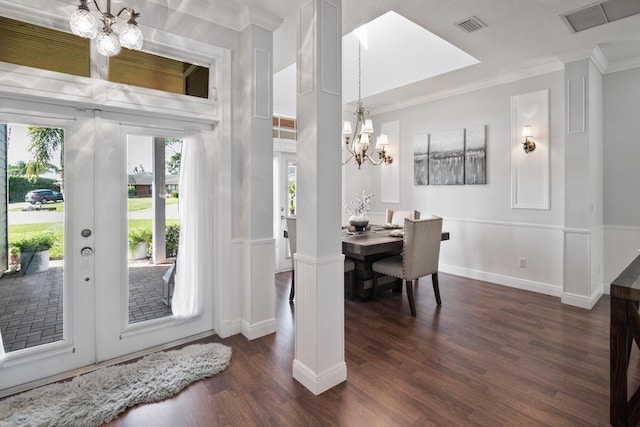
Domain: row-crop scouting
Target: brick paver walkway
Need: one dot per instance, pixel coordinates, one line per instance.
(31, 306)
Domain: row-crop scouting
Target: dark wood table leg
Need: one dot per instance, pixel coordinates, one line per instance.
(619, 358)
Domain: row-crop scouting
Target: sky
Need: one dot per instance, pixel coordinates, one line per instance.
(18, 142)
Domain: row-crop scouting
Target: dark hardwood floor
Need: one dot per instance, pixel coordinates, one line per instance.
(489, 356)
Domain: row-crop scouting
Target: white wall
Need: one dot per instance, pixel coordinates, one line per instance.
(488, 237)
(621, 171)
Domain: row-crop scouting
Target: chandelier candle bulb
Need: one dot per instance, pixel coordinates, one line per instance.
(112, 36)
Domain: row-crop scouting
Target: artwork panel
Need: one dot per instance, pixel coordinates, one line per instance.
(446, 157)
(475, 163)
(421, 161)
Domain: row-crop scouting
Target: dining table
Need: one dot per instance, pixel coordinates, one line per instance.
(366, 247)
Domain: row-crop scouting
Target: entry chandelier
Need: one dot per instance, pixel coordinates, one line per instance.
(358, 141)
(113, 35)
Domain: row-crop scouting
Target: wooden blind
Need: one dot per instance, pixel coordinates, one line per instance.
(143, 69)
(40, 47)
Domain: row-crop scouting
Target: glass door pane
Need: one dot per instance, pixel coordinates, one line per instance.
(152, 226)
(32, 236)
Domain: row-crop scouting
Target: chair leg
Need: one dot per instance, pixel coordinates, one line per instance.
(293, 286)
(436, 289)
(412, 303)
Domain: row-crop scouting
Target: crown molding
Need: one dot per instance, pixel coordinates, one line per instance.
(255, 16)
(594, 53)
(549, 67)
(625, 64)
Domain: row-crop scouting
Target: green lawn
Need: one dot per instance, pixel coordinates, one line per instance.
(23, 231)
(141, 204)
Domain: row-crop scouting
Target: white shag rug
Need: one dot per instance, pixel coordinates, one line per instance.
(97, 397)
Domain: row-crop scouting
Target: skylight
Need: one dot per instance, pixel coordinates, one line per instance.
(398, 52)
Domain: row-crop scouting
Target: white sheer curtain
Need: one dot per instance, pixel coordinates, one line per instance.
(195, 229)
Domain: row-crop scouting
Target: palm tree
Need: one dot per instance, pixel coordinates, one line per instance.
(44, 143)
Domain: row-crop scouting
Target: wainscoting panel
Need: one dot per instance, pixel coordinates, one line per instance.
(319, 348)
(258, 289)
(523, 256)
(577, 260)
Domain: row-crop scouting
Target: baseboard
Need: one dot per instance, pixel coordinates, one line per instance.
(582, 301)
(259, 329)
(319, 383)
(526, 285)
(229, 328)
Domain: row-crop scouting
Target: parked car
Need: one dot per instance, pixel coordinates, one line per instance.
(43, 196)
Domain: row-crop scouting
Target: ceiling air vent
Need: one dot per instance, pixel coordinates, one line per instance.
(600, 13)
(471, 24)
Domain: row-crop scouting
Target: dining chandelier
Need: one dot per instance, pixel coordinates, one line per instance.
(113, 34)
(358, 140)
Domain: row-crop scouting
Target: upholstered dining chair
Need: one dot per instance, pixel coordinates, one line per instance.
(397, 217)
(349, 265)
(419, 258)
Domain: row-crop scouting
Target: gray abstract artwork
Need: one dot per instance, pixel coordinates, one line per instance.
(421, 161)
(446, 157)
(475, 164)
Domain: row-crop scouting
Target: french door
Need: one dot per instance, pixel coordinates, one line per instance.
(96, 280)
(51, 328)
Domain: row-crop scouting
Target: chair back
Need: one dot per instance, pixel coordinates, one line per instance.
(291, 236)
(397, 217)
(421, 250)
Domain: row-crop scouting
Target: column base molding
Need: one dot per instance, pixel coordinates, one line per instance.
(322, 382)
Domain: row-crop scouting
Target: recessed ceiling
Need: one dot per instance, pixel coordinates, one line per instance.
(395, 52)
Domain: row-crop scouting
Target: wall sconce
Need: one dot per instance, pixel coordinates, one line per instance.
(528, 143)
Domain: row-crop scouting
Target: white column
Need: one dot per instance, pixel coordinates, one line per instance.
(258, 280)
(319, 342)
(582, 285)
(159, 202)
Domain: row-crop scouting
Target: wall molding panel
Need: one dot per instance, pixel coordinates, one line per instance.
(262, 84)
(306, 63)
(331, 48)
(390, 174)
(576, 105)
(530, 171)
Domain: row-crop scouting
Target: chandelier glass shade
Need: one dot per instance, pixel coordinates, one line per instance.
(112, 36)
(357, 141)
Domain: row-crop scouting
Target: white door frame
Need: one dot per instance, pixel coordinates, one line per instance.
(117, 336)
(77, 348)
